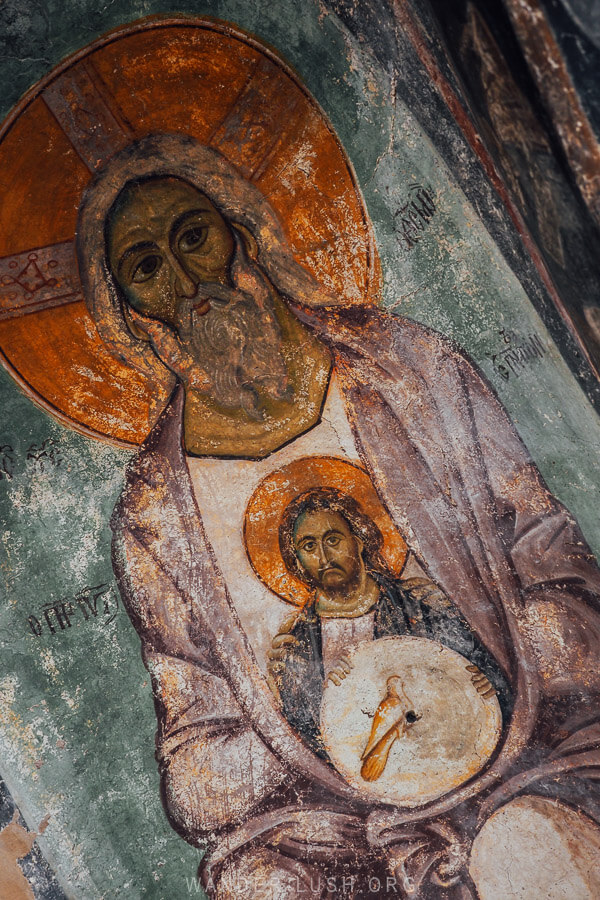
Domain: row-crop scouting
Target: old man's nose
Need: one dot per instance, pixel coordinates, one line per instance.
(185, 285)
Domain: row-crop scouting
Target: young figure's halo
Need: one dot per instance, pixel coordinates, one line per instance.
(274, 494)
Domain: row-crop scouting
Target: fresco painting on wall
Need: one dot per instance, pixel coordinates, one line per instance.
(371, 630)
(562, 228)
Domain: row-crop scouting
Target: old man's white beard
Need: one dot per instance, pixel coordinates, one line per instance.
(238, 342)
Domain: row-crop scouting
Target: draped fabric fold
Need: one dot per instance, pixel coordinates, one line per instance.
(462, 489)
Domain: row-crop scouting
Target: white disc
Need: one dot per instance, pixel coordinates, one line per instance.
(455, 735)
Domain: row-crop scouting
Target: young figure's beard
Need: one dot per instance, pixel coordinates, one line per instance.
(238, 342)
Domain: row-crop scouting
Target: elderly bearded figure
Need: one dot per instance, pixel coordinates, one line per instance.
(191, 280)
(238, 346)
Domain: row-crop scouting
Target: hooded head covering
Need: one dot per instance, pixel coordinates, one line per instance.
(239, 201)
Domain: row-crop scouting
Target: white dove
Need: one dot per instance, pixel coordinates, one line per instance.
(392, 718)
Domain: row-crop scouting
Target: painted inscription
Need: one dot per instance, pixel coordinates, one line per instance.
(413, 217)
(92, 604)
(42, 457)
(518, 354)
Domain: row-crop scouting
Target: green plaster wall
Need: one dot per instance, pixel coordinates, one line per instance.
(76, 714)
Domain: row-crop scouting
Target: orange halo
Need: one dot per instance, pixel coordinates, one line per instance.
(272, 496)
(182, 75)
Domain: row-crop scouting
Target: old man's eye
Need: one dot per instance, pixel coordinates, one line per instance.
(192, 238)
(308, 546)
(333, 540)
(146, 268)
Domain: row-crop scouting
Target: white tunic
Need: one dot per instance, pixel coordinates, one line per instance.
(341, 636)
(223, 487)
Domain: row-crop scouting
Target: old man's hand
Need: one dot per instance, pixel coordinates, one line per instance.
(166, 344)
(339, 670)
(481, 683)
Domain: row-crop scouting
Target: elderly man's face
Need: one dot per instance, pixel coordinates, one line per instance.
(177, 260)
(164, 238)
(327, 550)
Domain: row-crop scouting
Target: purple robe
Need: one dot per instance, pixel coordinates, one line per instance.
(462, 489)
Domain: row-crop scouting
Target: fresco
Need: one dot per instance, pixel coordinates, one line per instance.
(245, 444)
(518, 139)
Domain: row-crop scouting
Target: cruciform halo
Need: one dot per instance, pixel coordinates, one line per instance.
(199, 77)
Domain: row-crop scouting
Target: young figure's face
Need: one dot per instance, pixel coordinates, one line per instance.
(164, 238)
(328, 551)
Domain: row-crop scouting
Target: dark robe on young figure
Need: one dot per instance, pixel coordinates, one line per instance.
(398, 611)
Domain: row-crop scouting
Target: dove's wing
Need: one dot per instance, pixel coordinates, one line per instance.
(389, 713)
(376, 761)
